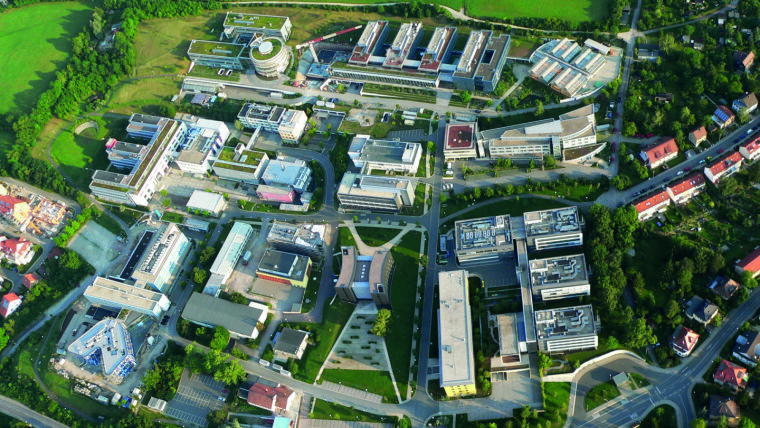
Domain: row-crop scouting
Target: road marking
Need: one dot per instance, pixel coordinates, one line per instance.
(595, 416)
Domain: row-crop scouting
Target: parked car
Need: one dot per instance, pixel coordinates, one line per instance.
(650, 135)
(688, 168)
(720, 151)
(612, 159)
(617, 114)
(678, 173)
(702, 162)
(614, 130)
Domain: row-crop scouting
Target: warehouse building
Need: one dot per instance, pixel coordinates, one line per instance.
(241, 27)
(370, 155)
(553, 229)
(161, 258)
(240, 164)
(304, 238)
(566, 329)
(375, 193)
(559, 277)
(203, 142)
(227, 258)
(284, 268)
(457, 362)
(486, 238)
(206, 202)
(365, 277)
(115, 294)
(138, 187)
(240, 320)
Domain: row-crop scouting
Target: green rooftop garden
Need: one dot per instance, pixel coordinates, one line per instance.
(276, 48)
(229, 50)
(248, 157)
(254, 21)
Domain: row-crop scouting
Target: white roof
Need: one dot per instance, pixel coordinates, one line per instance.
(231, 249)
(206, 201)
(455, 327)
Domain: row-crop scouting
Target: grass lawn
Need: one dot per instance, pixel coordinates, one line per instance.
(110, 224)
(80, 155)
(638, 380)
(333, 411)
(312, 289)
(6, 141)
(573, 11)
(660, 416)
(403, 292)
(556, 397)
(143, 95)
(376, 236)
(345, 237)
(46, 30)
(456, 101)
(513, 207)
(370, 380)
(128, 216)
(600, 394)
(420, 95)
(334, 318)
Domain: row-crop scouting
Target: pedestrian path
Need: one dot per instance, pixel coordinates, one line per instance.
(323, 423)
(342, 389)
(365, 249)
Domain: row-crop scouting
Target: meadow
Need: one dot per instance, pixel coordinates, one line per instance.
(35, 41)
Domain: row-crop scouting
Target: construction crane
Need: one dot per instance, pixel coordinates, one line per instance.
(311, 43)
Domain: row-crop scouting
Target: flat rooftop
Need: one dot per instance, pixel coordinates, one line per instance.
(481, 233)
(437, 48)
(455, 330)
(238, 319)
(460, 136)
(220, 49)
(372, 185)
(563, 322)
(495, 49)
(304, 234)
(367, 43)
(285, 265)
(108, 342)
(137, 253)
(508, 335)
(402, 44)
(565, 270)
(383, 151)
(231, 249)
(473, 52)
(552, 222)
(123, 294)
(253, 21)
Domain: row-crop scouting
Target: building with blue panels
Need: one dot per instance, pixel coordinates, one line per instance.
(162, 257)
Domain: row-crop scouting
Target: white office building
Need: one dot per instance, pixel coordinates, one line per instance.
(228, 256)
(115, 294)
(370, 155)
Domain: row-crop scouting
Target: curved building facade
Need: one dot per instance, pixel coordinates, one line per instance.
(269, 56)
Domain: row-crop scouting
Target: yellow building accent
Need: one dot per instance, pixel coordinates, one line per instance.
(460, 390)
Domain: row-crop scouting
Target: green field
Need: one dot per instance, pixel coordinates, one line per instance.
(35, 41)
(573, 10)
(364, 380)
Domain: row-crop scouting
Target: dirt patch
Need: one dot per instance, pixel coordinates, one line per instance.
(93, 243)
(363, 117)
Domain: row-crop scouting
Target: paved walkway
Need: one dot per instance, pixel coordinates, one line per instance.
(323, 423)
(362, 395)
(367, 250)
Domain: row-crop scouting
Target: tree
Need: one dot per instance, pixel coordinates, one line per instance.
(747, 280)
(230, 373)
(640, 335)
(747, 423)
(221, 338)
(3, 339)
(380, 326)
(743, 115)
(629, 129)
(465, 96)
(550, 161)
(698, 423)
(238, 298)
(539, 108)
(672, 309)
(544, 361)
(717, 262)
(199, 275)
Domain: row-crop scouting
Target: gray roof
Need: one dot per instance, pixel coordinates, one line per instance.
(208, 310)
(290, 340)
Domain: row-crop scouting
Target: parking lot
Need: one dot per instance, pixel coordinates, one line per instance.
(197, 396)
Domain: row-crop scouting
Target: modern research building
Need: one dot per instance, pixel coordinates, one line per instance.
(457, 362)
(552, 229)
(365, 277)
(115, 294)
(370, 155)
(486, 238)
(375, 193)
(559, 277)
(566, 329)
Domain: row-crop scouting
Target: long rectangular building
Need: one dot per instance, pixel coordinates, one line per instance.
(240, 27)
(559, 277)
(288, 124)
(218, 54)
(115, 294)
(163, 257)
(486, 238)
(354, 73)
(368, 155)
(305, 238)
(457, 362)
(240, 320)
(205, 139)
(552, 229)
(375, 193)
(404, 43)
(566, 329)
(438, 50)
(284, 268)
(240, 164)
(228, 257)
(370, 41)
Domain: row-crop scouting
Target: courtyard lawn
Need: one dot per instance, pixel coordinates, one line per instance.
(333, 411)
(376, 236)
(556, 396)
(601, 394)
(35, 42)
(376, 382)
(403, 294)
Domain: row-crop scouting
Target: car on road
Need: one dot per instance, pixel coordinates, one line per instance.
(165, 320)
(478, 111)
(650, 135)
(617, 114)
(613, 146)
(678, 173)
(614, 130)
(688, 168)
(637, 193)
(720, 151)
(702, 162)
(620, 99)
(612, 159)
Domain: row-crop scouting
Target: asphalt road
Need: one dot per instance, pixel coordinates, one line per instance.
(21, 412)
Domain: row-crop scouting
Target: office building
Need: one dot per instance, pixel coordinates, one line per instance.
(686, 188)
(342, 71)
(161, 258)
(240, 320)
(464, 74)
(460, 141)
(552, 229)
(227, 258)
(241, 27)
(750, 263)
(115, 294)
(652, 204)
(276, 194)
(659, 153)
(566, 329)
(403, 45)
(375, 193)
(123, 155)
(292, 125)
(492, 63)
(144, 126)
(370, 155)
(365, 277)
(218, 54)
(486, 238)
(438, 50)
(287, 172)
(724, 167)
(750, 149)
(456, 358)
(203, 142)
(370, 42)
(206, 202)
(288, 124)
(306, 239)
(559, 277)
(240, 164)
(138, 186)
(284, 268)
(566, 67)
(107, 344)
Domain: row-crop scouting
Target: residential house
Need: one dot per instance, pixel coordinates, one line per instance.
(723, 168)
(747, 101)
(723, 117)
(698, 44)
(272, 398)
(30, 280)
(722, 18)
(747, 348)
(290, 343)
(9, 304)
(743, 61)
(659, 153)
(730, 374)
(683, 341)
(17, 251)
(697, 136)
(701, 310)
(14, 209)
(750, 149)
(648, 51)
(686, 188)
(720, 407)
(653, 204)
(725, 287)
(750, 263)
(663, 97)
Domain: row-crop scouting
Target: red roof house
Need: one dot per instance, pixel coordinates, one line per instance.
(698, 135)
(684, 340)
(269, 398)
(655, 203)
(730, 374)
(29, 280)
(750, 263)
(660, 152)
(723, 168)
(686, 188)
(9, 304)
(16, 250)
(750, 149)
